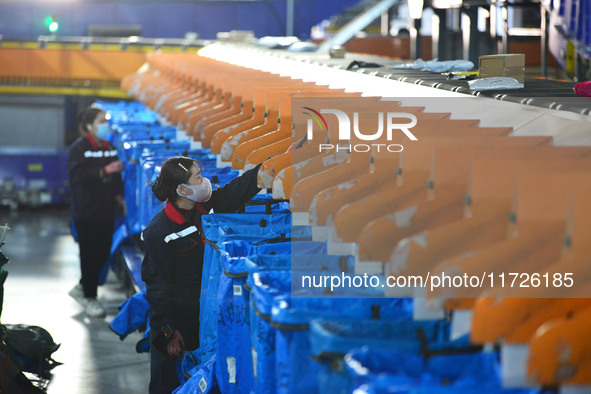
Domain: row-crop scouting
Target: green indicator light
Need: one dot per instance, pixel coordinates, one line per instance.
(53, 26)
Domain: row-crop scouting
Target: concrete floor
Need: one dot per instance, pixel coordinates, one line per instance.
(43, 267)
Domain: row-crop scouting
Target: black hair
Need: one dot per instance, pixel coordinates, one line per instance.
(87, 117)
(173, 172)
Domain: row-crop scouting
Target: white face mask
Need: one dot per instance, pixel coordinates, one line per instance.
(103, 130)
(201, 192)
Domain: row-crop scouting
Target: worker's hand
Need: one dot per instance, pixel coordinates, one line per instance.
(176, 344)
(114, 166)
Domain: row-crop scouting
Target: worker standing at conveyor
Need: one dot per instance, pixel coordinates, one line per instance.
(172, 267)
(94, 174)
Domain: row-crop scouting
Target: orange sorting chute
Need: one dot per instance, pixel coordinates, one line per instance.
(252, 139)
(537, 237)
(323, 160)
(328, 201)
(516, 319)
(443, 204)
(302, 199)
(280, 161)
(486, 211)
(559, 351)
(351, 218)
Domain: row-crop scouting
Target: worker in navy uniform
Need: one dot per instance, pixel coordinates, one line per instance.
(173, 263)
(96, 190)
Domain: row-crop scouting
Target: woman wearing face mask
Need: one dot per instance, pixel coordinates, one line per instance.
(173, 263)
(94, 174)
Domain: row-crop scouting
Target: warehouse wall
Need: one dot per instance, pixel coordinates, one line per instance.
(32, 121)
(164, 19)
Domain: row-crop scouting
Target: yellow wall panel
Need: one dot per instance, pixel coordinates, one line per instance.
(74, 64)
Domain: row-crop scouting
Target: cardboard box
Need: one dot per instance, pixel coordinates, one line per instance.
(511, 65)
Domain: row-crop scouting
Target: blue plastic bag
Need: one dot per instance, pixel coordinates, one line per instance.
(234, 369)
(265, 286)
(201, 379)
(330, 340)
(291, 318)
(132, 316)
(217, 230)
(379, 371)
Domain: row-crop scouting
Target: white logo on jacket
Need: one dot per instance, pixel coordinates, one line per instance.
(100, 153)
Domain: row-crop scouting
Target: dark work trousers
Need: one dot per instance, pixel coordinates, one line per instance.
(163, 375)
(94, 241)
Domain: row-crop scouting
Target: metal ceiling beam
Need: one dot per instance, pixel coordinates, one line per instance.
(357, 24)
